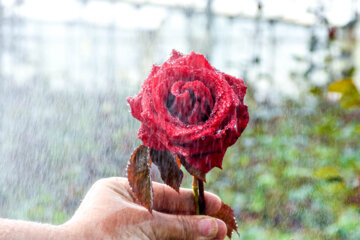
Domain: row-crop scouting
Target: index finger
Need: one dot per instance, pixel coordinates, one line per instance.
(167, 200)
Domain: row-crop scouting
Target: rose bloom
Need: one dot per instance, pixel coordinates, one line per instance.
(191, 109)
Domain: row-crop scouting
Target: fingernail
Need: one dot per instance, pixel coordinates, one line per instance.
(221, 229)
(208, 227)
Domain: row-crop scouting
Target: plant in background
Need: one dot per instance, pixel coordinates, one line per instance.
(190, 114)
(349, 94)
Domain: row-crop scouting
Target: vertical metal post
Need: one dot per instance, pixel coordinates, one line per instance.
(2, 85)
(209, 26)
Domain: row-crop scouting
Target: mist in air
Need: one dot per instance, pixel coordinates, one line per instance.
(66, 69)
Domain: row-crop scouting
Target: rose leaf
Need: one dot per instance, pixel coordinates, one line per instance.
(138, 173)
(168, 167)
(193, 171)
(227, 215)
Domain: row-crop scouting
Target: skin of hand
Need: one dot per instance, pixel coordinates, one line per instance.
(110, 211)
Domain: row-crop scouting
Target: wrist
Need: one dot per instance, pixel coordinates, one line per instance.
(74, 230)
(18, 230)
(65, 231)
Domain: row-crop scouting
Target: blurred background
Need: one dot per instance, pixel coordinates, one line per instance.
(66, 68)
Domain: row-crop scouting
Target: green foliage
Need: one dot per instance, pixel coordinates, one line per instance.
(350, 96)
(290, 177)
(42, 209)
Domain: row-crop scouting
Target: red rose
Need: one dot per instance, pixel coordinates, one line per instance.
(191, 109)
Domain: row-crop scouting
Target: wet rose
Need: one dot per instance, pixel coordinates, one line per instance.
(191, 109)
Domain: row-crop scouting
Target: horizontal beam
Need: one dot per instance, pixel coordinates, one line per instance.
(173, 5)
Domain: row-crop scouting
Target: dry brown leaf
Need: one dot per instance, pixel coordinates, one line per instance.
(170, 172)
(227, 215)
(193, 171)
(138, 173)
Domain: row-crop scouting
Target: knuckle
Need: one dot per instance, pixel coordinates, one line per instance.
(186, 227)
(100, 182)
(110, 180)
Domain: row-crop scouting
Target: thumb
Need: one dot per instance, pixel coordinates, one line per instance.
(188, 227)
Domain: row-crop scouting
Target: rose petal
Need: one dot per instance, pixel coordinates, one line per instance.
(191, 109)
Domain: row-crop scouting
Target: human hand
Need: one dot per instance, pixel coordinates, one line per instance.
(109, 211)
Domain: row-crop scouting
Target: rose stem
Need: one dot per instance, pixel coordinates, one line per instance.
(196, 195)
(201, 197)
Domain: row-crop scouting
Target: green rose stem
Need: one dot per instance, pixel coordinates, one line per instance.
(199, 197)
(196, 195)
